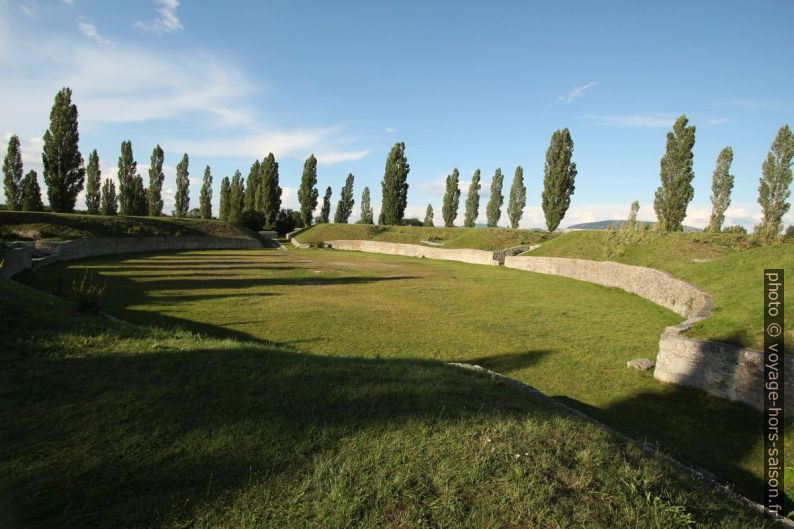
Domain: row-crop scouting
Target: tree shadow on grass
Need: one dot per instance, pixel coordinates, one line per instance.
(509, 362)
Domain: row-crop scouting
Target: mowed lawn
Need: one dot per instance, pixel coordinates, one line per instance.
(567, 338)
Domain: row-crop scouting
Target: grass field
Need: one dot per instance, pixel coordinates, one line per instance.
(729, 267)
(570, 339)
(109, 425)
(20, 225)
(477, 239)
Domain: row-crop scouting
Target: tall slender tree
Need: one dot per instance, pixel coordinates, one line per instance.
(139, 203)
(64, 173)
(182, 196)
(451, 199)
(205, 196)
(676, 191)
(494, 210)
(518, 198)
(367, 215)
(31, 192)
(307, 192)
(345, 206)
(774, 187)
(559, 174)
(237, 196)
(395, 186)
(325, 210)
(721, 186)
(156, 179)
(252, 188)
(269, 192)
(428, 222)
(12, 171)
(226, 198)
(93, 184)
(127, 173)
(472, 201)
(110, 203)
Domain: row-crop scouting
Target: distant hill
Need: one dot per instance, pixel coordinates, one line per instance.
(604, 224)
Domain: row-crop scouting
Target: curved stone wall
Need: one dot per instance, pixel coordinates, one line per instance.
(649, 283)
(415, 250)
(22, 256)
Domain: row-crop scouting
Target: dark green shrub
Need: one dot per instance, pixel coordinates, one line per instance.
(288, 220)
(735, 229)
(252, 219)
(412, 222)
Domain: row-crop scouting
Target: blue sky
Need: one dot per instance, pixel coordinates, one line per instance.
(463, 84)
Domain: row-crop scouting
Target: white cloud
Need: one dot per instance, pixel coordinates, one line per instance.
(717, 121)
(652, 119)
(30, 8)
(390, 130)
(166, 22)
(68, 3)
(90, 31)
(575, 93)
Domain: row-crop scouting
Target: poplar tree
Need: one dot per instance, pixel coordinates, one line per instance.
(156, 179)
(205, 196)
(428, 222)
(345, 206)
(472, 201)
(721, 186)
(139, 202)
(676, 191)
(494, 210)
(775, 185)
(127, 173)
(237, 198)
(325, 210)
(307, 193)
(518, 198)
(395, 186)
(451, 199)
(31, 192)
(93, 184)
(182, 196)
(253, 183)
(64, 173)
(226, 191)
(110, 203)
(269, 192)
(367, 216)
(559, 174)
(12, 171)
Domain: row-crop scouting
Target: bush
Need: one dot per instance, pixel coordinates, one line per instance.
(252, 219)
(412, 222)
(88, 293)
(789, 233)
(288, 220)
(739, 230)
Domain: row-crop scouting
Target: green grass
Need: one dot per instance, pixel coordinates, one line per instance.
(16, 225)
(729, 267)
(477, 239)
(568, 338)
(108, 425)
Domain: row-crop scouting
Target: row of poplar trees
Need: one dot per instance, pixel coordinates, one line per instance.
(66, 176)
(559, 175)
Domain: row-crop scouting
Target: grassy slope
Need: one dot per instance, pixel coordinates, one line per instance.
(105, 425)
(72, 226)
(568, 338)
(478, 239)
(731, 273)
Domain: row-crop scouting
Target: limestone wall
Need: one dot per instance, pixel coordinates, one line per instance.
(414, 250)
(727, 371)
(649, 283)
(22, 256)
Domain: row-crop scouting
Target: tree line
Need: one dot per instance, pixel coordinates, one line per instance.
(256, 200)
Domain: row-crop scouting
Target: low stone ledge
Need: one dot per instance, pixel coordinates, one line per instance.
(414, 250)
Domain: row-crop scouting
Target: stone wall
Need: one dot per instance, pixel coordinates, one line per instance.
(22, 256)
(723, 370)
(414, 250)
(649, 283)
